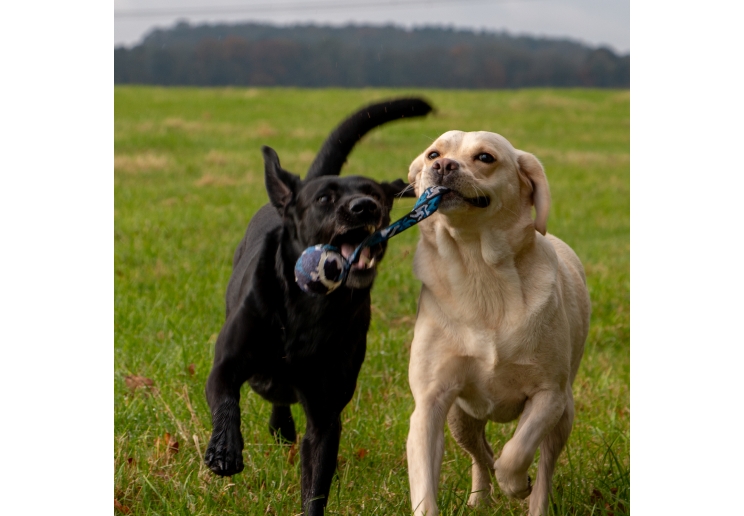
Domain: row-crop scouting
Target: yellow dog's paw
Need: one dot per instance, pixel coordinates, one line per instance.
(514, 485)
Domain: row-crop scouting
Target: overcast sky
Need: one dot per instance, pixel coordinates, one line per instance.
(596, 22)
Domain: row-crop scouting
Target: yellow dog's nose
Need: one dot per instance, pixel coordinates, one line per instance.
(445, 165)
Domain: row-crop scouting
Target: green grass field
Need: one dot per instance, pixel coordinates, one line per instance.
(189, 176)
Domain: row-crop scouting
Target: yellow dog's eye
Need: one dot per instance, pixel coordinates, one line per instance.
(433, 155)
(485, 157)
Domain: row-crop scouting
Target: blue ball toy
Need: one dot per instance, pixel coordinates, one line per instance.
(321, 269)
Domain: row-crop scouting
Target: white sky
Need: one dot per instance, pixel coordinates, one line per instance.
(595, 22)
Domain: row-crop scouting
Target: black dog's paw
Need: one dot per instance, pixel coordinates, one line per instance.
(225, 453)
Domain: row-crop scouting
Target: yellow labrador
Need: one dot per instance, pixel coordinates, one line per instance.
(502, 320)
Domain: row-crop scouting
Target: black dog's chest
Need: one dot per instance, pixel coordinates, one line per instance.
(324, 332)
(324, 349)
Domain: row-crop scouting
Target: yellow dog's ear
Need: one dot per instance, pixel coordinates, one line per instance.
(417, 166)
(531, 170)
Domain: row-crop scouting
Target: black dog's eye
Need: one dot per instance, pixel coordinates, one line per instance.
(325, 199)
(433, 155)
(485, 157)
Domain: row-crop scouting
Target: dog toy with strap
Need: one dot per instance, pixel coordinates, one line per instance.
(321, 269)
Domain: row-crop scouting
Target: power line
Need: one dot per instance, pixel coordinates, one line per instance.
(283, 7)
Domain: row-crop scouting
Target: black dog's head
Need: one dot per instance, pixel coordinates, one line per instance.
(341, 211)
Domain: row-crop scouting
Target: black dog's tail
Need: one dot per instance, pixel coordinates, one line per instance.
(341, 141)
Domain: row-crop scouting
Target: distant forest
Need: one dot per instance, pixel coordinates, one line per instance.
(358, 56)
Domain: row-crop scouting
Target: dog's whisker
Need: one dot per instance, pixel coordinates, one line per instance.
(479, 191)
(510, 211)
(406, 189)
(479, 179)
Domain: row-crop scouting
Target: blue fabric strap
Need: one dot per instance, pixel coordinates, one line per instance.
(426, 205)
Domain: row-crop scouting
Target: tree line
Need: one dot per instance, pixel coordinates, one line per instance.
(363, 56)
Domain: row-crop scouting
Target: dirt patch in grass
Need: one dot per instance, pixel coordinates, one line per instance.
(583, 158)
(216, 180)
(306, 133)
(138, 163)
(621, 96)
(220, 168)
(215, 157)
(189, 126)
(298, 162)
(548, 100)
(264, 130)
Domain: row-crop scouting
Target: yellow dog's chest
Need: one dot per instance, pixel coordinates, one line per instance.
(498, 375)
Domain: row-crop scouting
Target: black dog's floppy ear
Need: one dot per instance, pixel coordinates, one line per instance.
(280, 184)
(397, 189)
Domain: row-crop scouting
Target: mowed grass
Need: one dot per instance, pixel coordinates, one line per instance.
(188, 178)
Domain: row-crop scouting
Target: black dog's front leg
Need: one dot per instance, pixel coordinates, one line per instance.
(224, 454)
(319, 453)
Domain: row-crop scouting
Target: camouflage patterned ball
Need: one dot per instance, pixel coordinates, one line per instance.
(320, 269)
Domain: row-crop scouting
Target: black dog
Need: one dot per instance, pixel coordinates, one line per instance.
(291, 346)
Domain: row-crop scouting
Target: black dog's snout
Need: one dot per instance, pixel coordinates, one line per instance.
(444, 166)
(364, 206)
